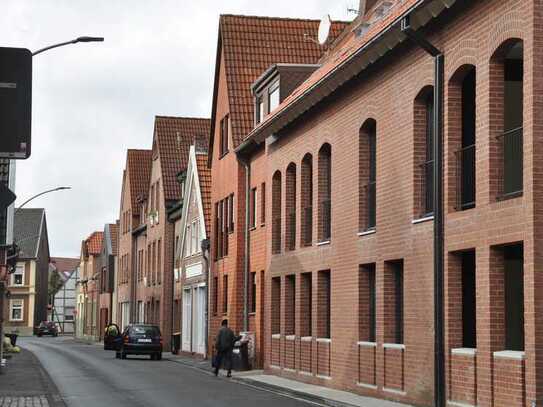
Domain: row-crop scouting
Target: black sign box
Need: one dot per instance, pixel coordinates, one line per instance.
(15, 102)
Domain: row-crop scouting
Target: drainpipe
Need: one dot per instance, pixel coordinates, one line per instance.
(439, 342)
(205, 244)
(245, 163)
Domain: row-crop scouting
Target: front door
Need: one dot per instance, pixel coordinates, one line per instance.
(187, 320)
(198, 332)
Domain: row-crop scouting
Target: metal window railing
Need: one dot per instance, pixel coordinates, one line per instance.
(427, 188)
(465, 178)
(326, 208)
(371, 210)
(276, 235)
(307, 236)
(512, 163)
(291, 232)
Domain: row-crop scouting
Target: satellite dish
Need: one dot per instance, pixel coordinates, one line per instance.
(324, 29)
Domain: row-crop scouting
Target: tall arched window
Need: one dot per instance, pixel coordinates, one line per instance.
(423, 153)
(306, 198)
(506, 119)
(290, 207)
(462, 127)
(325, 193)
(367, 170)
(276, 212)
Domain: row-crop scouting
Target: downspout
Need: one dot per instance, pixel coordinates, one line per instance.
(247, 167)
(439, 343)
(205, 250)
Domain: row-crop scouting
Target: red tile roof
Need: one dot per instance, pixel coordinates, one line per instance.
(64, 265)
(138, 165)
(340, 55)
(94, 243)
(204, 175)
(250, 46)
(114, 232)
(174, 136)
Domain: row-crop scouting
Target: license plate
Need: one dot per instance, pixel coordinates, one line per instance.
(144, 340)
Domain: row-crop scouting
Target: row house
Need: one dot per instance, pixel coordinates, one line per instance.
(26, 305)
(191, 267)
(106, 278)
(349, 283)
(151, 193)
(63, 302)
(88, 290)
(134, 190)
(247, 46)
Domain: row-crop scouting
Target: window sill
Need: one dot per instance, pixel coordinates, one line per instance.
(276, 336)
(367, 232)
(323, 243)
(399, 346)
(422, 220)
(290, 337)
(252, 228)
(511, 195)
(464, 351)
(324, 340)
(510, 354)
(306, 338)
(367, 344)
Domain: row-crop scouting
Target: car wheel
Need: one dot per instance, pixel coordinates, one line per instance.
(159, 356)
(123, 354)
(39, 335)
(117, 355)
(153, 356)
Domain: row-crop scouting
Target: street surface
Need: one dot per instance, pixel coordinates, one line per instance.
(88, 376)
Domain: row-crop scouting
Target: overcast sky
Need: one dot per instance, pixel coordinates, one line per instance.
(93, 101)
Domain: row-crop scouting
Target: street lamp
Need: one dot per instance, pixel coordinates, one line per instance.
(40, 194)
(79, 39)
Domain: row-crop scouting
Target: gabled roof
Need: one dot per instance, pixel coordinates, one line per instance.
(114, 235)
(351, 56)
(109, 242)
(173, 137)
(250, 45)
(138, 166)
(29, 225)
(204, 176)
(93, 243)
(65, 266)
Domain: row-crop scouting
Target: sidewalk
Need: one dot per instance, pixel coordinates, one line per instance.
(292, 388)
(24, 383)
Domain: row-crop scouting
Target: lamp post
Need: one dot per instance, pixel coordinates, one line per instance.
(75, 41)
(40, 194)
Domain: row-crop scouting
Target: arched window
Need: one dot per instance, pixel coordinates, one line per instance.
(506, 119)
(290, 207)
(367, 169)
(276, 212)
(462, 127)
(423, 153)
(306, 198)
(325, 193)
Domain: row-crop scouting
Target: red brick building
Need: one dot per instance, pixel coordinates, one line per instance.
(152, 265)
(348, 256)
(247, 46)
(134, 189)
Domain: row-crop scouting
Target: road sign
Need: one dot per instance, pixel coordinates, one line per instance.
(15, 102)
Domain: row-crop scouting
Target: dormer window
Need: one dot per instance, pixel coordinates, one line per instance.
(273, 95)
(260, 112)
(225, 127)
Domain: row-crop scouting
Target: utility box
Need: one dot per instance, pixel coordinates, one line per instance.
(15, 102)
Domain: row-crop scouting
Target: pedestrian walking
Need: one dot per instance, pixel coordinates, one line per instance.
(224, 345)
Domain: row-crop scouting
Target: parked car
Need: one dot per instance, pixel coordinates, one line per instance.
(137, 339)
(47, 328)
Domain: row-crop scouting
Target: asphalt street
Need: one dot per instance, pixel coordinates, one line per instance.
(88, 376)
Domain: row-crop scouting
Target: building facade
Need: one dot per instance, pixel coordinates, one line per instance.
(191, 271)
(88, 289)
(238, 256)
(106, 277)
(349, 284)
(63, 302)
(26, 305)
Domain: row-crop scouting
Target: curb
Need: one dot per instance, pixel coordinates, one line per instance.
(283, 391)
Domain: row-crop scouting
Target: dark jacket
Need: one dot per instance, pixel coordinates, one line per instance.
(225, 339)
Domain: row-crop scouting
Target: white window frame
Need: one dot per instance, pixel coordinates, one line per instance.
(194, 236)
(274, 87)
(188, 241)
(21, 273)
(16, 304)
